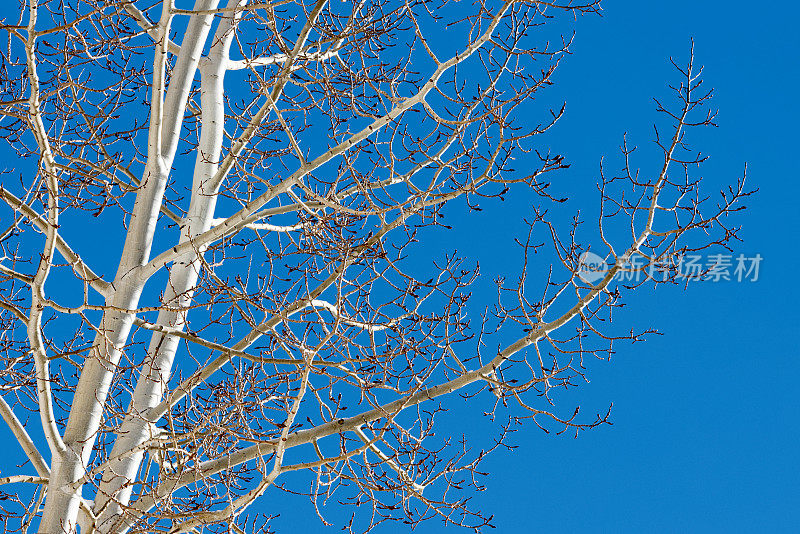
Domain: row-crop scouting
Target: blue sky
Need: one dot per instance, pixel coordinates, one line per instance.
(705, 416)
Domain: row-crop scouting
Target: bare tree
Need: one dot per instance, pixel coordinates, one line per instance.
(297, 344)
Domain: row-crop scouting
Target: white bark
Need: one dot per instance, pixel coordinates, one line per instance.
(24, 439)
(116, 486)
(63, 499)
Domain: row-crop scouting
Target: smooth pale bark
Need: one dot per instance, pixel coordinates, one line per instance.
(68, 466)
(61, 506)
(24, 439)
(50, 229)
(117, 482)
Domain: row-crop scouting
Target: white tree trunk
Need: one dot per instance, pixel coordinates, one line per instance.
(64, 490)
(116, 486)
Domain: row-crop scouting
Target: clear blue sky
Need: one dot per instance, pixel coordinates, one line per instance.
(706, 420)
